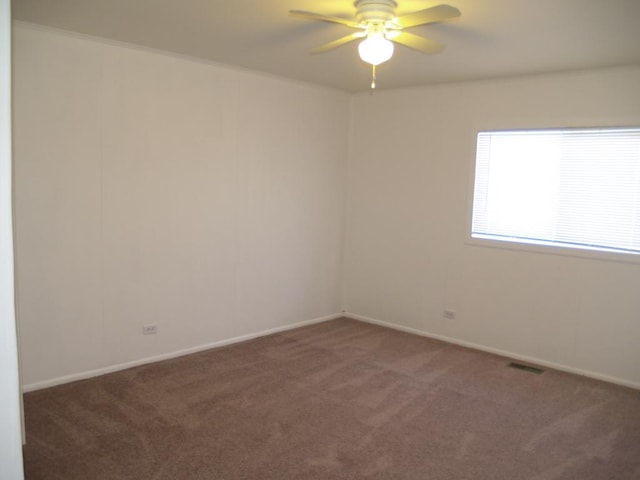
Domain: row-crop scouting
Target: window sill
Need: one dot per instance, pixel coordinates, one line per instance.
(553, 249)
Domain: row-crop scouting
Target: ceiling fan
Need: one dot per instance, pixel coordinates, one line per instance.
(376, 20)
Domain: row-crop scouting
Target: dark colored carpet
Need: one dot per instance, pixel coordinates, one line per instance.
(337, 400)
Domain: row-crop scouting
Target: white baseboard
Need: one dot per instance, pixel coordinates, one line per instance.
(165, 356)
(496, 351)
(123, 366)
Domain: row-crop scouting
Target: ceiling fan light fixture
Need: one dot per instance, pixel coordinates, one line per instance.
(377, 20)
(375, 49)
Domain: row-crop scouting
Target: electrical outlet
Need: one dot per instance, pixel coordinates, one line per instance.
(149, 329)
(449, 314)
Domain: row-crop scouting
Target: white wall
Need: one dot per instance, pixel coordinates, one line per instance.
(156, 189)
(409, 188)
(10, 423)
(153, 189)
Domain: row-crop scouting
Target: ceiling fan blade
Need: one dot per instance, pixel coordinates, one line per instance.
(339, 42)
(324, 18)
(428, 15)
(416, 42)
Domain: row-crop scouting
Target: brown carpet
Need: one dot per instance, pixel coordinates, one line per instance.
(337, 400)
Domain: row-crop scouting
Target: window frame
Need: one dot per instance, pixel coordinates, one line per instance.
(539, 247)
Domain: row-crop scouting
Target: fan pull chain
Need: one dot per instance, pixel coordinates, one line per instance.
(373, 78)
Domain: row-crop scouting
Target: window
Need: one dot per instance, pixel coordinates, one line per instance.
(577, 188)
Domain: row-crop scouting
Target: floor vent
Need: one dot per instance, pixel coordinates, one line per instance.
(526, 368)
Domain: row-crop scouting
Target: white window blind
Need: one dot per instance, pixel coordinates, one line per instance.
(572, 187)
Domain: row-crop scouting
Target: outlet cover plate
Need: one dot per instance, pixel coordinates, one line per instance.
(149, 329)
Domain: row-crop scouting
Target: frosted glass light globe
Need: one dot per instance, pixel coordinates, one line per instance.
(375, 49)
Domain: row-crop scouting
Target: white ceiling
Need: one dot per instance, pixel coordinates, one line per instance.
(492, 38)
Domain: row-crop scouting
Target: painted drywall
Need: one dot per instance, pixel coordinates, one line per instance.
(155, 189)
(409, 187)
(10, 416)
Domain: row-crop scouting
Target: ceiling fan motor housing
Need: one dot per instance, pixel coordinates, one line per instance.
(375, 11)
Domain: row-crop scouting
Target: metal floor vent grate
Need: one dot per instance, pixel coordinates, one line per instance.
(526, 368)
